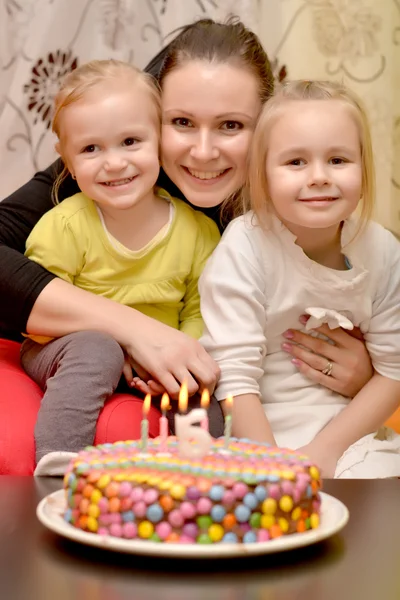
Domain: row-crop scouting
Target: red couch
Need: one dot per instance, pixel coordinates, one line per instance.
(19, 404)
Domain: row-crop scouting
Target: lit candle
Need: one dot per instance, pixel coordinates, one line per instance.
(164, 423)
(144, 425)
(183, 398)
(204, 403)
(228, 421)
(194, 442)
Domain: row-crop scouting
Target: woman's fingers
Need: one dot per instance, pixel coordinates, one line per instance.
(191, 365)
(351, 364)
(206, 374)
(304, 346)
(334, 382)
(342, 337)
(127, 372)
(315, 361)
(171, 358)
(156, 389)
(140, 372)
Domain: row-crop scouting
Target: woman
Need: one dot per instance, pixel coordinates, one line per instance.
(214, 80)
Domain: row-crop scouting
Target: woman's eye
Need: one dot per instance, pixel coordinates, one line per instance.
(337, 161)
(130, 141)
(181, 122)
(232, 126)
(296, 162)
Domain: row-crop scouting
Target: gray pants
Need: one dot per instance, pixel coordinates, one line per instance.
(77, 373)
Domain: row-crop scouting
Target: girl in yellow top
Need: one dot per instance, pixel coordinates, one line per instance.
(120, 238)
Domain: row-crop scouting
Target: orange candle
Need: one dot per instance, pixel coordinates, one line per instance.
(164, 423)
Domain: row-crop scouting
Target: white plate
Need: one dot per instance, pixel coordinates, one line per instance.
(334, 516)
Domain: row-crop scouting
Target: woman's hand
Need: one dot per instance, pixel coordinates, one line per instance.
(351, 364)
(165, 355)
(168, 356)
(164, 358)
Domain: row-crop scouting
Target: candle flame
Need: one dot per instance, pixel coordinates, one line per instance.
(146, 404)
(205, 398)
(183, 398)
(164, 402)
(229, 402)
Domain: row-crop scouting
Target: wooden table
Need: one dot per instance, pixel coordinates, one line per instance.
(360, 563)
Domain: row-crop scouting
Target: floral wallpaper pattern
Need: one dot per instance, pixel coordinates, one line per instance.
(41, 40)
(357, 41)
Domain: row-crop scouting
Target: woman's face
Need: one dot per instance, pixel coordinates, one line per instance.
(209, 111)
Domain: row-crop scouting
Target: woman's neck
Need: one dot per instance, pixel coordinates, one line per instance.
(135, 227)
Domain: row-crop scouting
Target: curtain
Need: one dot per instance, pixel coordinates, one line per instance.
(355, 41)
(42, 40)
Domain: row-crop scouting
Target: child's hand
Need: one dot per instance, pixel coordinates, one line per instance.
(326, 461)
(148, 387)
(139, 378)
(133, 379)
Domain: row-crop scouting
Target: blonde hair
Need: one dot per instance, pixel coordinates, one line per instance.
(255, 191)
(78, 82)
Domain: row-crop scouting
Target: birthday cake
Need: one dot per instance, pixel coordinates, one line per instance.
(241, 492)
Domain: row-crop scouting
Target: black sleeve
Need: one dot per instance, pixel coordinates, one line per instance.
(22, 280)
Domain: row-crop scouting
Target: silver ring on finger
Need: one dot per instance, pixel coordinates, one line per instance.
(328, 369)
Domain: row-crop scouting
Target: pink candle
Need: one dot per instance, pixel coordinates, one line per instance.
(144, 425)
(204, 403)
(164, 423)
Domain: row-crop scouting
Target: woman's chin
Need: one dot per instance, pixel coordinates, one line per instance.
(202, 200)
(205, 193)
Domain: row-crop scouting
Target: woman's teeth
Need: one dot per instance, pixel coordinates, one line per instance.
(206, 174)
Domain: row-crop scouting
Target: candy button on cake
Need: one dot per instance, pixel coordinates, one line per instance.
(246, 493)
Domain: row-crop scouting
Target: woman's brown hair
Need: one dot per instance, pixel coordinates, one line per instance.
(229, 42)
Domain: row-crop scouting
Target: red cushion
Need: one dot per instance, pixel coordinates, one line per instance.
(19, 404)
